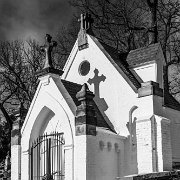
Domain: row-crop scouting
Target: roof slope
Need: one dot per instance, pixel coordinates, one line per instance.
(139, 57)
(121, 61)
(170, 101)
(143, 55)
(72, 89)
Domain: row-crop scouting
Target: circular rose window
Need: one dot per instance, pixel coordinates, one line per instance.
(84, 68)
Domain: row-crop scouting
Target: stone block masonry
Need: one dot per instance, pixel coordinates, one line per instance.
(154, 153)
(144, 146)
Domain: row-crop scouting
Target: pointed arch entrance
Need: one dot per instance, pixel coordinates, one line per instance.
(51, 146)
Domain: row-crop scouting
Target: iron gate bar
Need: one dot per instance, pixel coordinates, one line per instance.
(43, 161)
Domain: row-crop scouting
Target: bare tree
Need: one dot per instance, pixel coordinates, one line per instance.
(18, 63)
(169, 28)
(123, 24)
(129, 24)
(153, 31)
(66, 38)
(118, 23)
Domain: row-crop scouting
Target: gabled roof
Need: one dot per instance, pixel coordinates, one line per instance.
(133, 58)
(125, 61)
(72, 89)
(120, 60)
(138, 57)
(142, 55)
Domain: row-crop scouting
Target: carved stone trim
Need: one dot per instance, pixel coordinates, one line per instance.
(85, 129)
(150, 88)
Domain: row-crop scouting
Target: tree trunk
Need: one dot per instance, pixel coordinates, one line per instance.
(153, 32)
(7, 117)
(166, 80)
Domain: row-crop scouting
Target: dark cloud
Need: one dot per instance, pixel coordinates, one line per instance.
(24, 18)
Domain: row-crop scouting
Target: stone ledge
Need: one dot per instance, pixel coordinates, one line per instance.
(150, 88)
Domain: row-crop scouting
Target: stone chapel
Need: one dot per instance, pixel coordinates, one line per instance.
(105, 116)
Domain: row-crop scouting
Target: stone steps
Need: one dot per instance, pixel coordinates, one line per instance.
(166, 175)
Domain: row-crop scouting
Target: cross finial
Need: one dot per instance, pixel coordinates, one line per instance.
(47, 48)
(86, 21)
(85, 28)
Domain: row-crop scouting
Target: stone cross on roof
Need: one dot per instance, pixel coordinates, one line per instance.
(85, 28)
(86, 21)
(47, 48)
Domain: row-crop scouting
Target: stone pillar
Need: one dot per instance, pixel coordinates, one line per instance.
(16, 150)
(144, 145)
(154, 152)
(19, 115)
(164, 149)
(85, 127)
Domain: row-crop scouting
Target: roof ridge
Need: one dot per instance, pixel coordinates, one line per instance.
(145, 47)
(143, 55)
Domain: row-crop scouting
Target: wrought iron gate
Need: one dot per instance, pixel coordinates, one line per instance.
(47, 157)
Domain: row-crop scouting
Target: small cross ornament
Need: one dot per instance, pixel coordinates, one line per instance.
(47, 48)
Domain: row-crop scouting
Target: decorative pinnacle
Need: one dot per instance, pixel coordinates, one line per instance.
(47, 48)
(84, 93)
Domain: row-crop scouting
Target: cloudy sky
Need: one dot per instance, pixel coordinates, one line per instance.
(20, 19)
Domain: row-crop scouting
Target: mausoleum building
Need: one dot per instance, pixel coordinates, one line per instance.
(106, 116)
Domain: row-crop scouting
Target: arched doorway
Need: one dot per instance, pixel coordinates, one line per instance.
(51, 146)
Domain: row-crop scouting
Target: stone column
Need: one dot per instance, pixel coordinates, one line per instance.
(85, 126)
(154, 152)
(164, 149)
(144, 145)
(16, 149)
